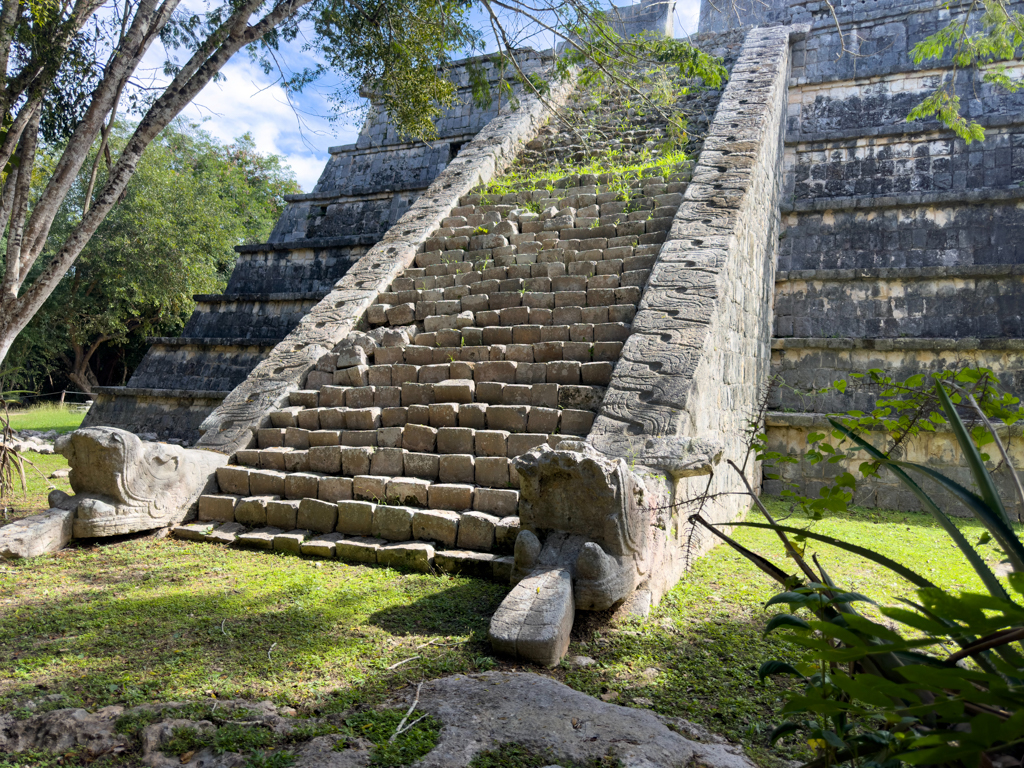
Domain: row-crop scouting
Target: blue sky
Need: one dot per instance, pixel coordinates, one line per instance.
(249, 100)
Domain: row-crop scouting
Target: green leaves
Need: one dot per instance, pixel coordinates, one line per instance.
(971, 41)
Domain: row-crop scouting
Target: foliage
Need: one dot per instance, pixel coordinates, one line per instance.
(880, 692)
(191, 201)
(381, 726)
(230, 737)
(903, 410)
(517, 756)
(986, 36)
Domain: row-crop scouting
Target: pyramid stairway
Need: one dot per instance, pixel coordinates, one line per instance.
(501, 338)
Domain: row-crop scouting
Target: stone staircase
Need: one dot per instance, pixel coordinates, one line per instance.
(501, 338)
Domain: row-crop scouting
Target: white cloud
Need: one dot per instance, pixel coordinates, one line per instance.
(248, 101)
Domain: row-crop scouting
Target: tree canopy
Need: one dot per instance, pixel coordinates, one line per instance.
(191, 201)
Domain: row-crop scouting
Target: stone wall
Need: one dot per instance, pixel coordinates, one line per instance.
(901, 244)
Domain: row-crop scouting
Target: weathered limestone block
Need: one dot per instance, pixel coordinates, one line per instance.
(36, 534)
(123, 484)
(535, 620)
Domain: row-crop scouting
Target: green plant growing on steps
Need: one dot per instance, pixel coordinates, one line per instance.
(892, 692)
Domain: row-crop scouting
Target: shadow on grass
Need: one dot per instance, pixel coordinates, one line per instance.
(127, 624)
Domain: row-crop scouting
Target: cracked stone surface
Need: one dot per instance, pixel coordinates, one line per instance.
(478, 713)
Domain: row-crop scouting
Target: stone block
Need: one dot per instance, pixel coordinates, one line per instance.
(387, 462)
(290, 541)
(443, 415)
(324, 437)
(266, 482)
(418, 437)
(510, 418)
(321, 545)
(491, 392)
(355, 518)
(534, 621)
(401, 314)
(492, 471)
(563, 372)
(325, 459)
(505, 533)
(234, 480)
(252, 510)
(369, 487)
(455, 440)
(456, 468)
(261, 538)
(356, 460)
(502, 502)
(576, 422)
(359, 550)
(453, 496)
(282, 513)
(543, 420)
(359, 438)
(422, 465)
(37, 534)
(389, 437)
(473, 416)
(476, 531)
(408, 491)
(217, 507)
(519, 444)
(363, 418)
(393, 523)
(435, 525)
(270, 437)
(350, 356)
(502, 371)
(316, 515)
(580, 398)
(296, 461)
(412, 555)
(491, 442)
(301, 485)
(334, 488)
(294, 437)
(466, 562)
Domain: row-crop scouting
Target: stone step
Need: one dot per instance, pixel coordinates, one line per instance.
(417, 555)
(491, 529)
(483, 483)
(463, 357)
(537, 383)
(294, 455)
(613, 261)
(350, 426)
(391, 427)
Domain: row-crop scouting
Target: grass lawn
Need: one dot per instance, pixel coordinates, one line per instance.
(149, 619)
(38, 468)
(47, 416)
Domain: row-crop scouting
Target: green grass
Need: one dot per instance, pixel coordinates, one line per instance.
(662, 162)
(141, 619)
(517, 756)
(47, 416)
(38, 468)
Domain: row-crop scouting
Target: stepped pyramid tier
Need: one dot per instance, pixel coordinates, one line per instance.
(902, 246)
